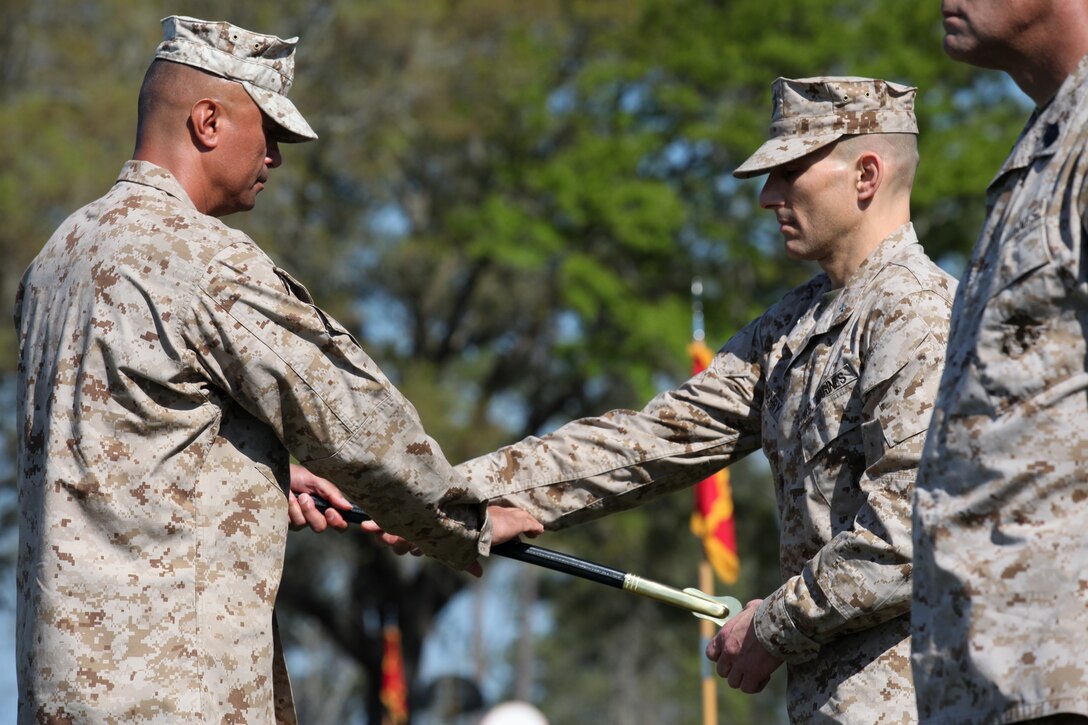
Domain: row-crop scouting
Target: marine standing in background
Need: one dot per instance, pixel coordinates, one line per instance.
(1001, 547)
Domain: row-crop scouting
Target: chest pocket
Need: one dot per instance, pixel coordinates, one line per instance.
(297, 290)
(836, 414)
(1021, 352)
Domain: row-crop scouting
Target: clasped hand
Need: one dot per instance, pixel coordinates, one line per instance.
(742, 659)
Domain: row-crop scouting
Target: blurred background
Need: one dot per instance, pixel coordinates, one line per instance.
(508, 205)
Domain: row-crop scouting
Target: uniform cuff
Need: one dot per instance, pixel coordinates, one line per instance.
(472, 526)
(778, 633)
(483, 543)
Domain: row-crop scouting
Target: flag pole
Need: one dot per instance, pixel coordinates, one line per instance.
(706, 575)
(706, 633)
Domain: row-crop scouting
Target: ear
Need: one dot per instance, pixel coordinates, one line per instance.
(870, 175)
(205, 119)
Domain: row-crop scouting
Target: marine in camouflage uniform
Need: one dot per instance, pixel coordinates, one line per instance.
(836, 384)
(167, 370)
(1001, 590)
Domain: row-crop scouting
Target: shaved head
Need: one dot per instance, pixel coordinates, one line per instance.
(167, 96)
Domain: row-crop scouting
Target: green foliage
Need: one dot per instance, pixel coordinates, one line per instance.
(507, 204)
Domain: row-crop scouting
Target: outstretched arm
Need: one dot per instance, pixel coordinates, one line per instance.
(592, 467)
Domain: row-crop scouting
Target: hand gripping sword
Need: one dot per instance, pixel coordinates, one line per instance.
(704, 606)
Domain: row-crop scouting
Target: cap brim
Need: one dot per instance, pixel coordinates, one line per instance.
(782, 150)
(283, 112)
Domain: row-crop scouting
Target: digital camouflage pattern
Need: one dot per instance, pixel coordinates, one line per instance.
(837, 387)
(263, 64)
(810, 113)
(167, 370)
(1001, 589)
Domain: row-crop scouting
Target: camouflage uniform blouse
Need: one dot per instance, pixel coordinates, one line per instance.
(837, 388)
(1001, 597)
(166, 369)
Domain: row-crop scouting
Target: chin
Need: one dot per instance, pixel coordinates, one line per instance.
(227, 211)
(952, 48)
(969, 50)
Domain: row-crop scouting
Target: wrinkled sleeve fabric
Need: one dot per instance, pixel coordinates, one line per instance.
(255, 333)
(862, 576)
(595, 466)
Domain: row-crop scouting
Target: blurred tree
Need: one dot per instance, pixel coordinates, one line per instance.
(507, 204)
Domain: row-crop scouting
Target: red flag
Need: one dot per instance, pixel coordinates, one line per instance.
(712, 520)
(394, 692)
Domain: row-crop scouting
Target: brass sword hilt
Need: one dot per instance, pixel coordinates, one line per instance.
(699, 603)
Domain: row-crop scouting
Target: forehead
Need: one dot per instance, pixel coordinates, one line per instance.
(807, 161)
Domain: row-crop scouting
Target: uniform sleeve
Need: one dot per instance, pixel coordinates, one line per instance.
(595, 466)
(862, 576)
(256, 334)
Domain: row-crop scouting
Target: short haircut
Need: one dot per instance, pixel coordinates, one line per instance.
(899, 151)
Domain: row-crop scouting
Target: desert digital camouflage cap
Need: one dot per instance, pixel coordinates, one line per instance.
(810, 113)
(263, 64)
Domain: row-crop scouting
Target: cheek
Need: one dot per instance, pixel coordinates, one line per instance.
(828, 208)
(257, 164)
(815, 202)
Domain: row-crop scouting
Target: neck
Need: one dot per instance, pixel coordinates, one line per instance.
(1042, 65)
(1042, 79)
(183, 168)
(872, 230)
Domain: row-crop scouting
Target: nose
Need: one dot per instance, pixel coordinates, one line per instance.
(272, 154)
(770, 195)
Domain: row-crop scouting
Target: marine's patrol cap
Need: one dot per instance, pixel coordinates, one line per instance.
(810, 113)
(263, 64)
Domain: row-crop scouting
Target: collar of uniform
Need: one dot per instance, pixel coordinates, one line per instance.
(809, 299)
(148, 174)
(864, 275)
(1040, 135)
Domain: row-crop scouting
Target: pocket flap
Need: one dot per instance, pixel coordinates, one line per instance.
(833, 417)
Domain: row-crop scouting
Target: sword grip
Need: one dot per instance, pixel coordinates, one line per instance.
(354, 515)
(563, 563)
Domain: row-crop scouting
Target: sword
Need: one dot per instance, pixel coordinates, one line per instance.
(704, 606)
